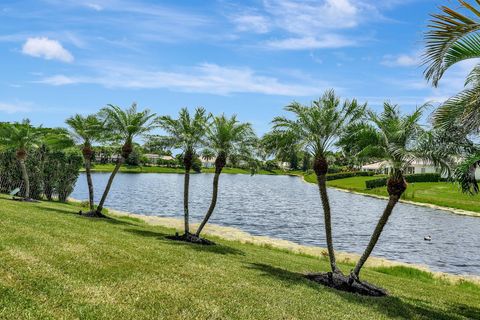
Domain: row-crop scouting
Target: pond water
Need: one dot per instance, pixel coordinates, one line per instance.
(286, 207)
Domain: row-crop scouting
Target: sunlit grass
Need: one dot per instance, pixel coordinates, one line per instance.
(55, 264)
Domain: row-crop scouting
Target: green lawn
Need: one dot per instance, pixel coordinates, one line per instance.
(444, 194)
(55, 264)
(155, 169)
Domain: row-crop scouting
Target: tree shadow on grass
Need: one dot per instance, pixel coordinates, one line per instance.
(391, 306)
(217, 248)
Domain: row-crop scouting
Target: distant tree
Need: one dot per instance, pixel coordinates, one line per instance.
(225, 137)
(125, 125)
(188, 134)
(86, 130)
(22, 137)
(395, 137)
(315, 128)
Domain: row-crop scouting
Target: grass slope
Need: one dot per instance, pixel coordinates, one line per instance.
(444, 194)
(155, 169)
(57, 265)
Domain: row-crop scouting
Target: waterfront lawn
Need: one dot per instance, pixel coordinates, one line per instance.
(55, 264)
(444, 194)
(157, 169)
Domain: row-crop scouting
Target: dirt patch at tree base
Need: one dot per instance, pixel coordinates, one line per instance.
(343, 283)
(93, 214)
(191, 238)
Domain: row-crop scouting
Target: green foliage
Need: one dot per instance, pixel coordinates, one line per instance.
(196, 164)
(410, 178)
(50, 172)
(343, 175)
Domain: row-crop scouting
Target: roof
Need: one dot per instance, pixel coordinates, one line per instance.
(385, 164)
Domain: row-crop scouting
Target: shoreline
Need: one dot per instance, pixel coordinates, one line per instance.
(420, 204)
(234, 234)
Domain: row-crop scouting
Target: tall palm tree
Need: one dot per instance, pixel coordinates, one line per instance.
(225, 136)
(86, 130)
(454, 36)
(22, 137)
(188, 134)
(125, 125)
(395, 141)
(315, 129)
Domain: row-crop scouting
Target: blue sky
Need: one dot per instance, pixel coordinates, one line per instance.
(60, 57)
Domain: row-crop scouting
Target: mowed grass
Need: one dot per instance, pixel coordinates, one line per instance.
(156, 169)
(444, 194)
(55, 264)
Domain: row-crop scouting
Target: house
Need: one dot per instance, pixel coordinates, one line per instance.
(152, 157)
(416, 167)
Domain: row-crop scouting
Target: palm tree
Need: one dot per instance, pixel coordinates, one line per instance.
(186, 133)
(315, 129)
(22, 137)
(86, 130)
(125, 125)
(396, 141)
(453, 37)
(225, 137)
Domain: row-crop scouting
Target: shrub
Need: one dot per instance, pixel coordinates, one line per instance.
(420, 177)
(343, 175)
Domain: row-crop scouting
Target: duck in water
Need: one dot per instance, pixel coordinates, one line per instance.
(427, 238)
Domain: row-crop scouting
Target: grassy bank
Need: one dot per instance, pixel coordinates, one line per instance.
(155, 169)
(443, 194)
(55, 264)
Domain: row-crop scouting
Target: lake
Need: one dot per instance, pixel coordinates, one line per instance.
(288, 208)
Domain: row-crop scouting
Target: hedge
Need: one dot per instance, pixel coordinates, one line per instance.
(420, 177)
(343, 175)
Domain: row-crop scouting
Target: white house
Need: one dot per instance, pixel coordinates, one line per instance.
(416, 167)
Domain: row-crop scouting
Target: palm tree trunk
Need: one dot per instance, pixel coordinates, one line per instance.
(322, 187)
(88, 164)
(109, 185)
(392, 201)
(213, 203)
(26, 180)
(185, 201)
(187, 161)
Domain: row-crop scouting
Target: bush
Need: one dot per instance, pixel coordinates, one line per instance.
(343, 175)
(420, 177)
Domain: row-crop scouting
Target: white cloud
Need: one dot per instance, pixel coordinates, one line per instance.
(402, 60)
(46, 48)
(306, 24)
(251, 22)
(94, 6)
(203, 78)
(327, 41)
(13, 108)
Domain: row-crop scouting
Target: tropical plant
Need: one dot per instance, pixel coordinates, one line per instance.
(225, 137)
(22, 137)
(188, 134)
(86, 130)
(454, 36)
(124, 125)
(315, 129)
(395, 140)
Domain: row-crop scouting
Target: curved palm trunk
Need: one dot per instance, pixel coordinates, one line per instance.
(395, 187)
(26, 180)
(109, 185)
(321, 168)
(88, 164)
(219, 164)
(322, 187)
